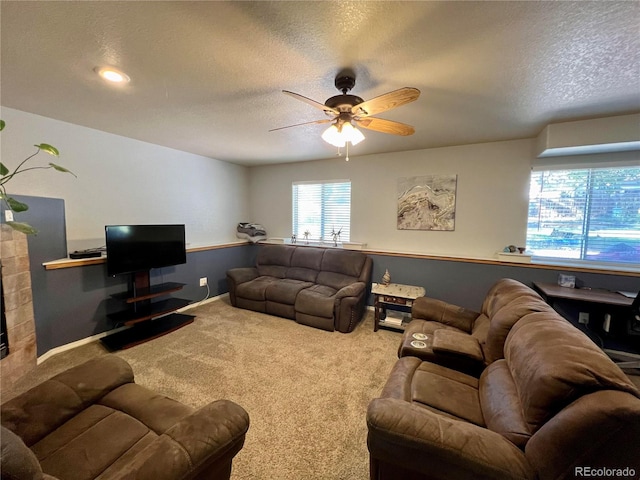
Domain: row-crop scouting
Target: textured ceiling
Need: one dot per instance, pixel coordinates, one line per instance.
(206, 77)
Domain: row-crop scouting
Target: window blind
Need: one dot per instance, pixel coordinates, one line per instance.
(585, 214)
(322, 208)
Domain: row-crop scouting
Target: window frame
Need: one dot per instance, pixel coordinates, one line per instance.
(591, 200)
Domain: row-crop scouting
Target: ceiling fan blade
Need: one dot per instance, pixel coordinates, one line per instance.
(313, 103)
(386, 126)
(306, 123)
(386, 102)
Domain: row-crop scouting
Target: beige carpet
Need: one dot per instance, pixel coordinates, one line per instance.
(306, 390)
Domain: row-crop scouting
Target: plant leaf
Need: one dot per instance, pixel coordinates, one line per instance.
(50, 149)
(2, 125)
(23, 227)
(62, 169)
(3, 169)
(17, 206)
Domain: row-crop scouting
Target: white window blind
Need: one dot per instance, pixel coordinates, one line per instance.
(322, 208)
(587, 214)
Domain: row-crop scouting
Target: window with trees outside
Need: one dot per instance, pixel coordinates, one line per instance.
(590, 214)
(320, 209)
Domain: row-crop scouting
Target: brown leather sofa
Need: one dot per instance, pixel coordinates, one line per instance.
(321, 287)
(467, 340)
(93, 421)
(554, 407)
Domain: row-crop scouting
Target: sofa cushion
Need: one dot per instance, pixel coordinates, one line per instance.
(317, 300)
(335, 280)
(255, 289)
(435, 388)
(285, 290)
(500, 404)
(274, 260)
(77, 449)
(347, 262)
(503, 292)
(305, 264)
(505, 318)
(553, 363)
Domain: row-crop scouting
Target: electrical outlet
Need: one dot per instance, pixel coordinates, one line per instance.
(8, 216)
(203, 282)
(583, 317)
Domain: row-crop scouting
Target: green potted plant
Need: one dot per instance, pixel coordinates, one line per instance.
(6, 175)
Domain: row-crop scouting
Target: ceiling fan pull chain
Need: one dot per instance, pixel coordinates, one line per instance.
(347, 145)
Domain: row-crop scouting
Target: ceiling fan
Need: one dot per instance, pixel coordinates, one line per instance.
(345, 110)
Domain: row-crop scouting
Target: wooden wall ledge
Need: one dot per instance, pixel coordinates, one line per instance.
(83, 262)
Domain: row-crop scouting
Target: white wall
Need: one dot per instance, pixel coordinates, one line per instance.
(124, 181)
(491, 207)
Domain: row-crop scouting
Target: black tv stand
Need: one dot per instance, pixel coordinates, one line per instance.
(147, 319)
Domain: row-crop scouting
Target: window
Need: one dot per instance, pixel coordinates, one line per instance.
(589, 214)
(322, 208)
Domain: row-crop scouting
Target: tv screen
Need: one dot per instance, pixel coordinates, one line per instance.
(135, 248)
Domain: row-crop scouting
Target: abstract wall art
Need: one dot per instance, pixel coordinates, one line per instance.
(427, 202)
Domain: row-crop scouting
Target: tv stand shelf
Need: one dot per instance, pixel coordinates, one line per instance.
(146, 293)
(147, 319)
(149, 311)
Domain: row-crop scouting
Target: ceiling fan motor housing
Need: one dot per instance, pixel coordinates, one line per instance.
(343, 103)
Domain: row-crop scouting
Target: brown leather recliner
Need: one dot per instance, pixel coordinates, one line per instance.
(554, 407)
(464, 339)
(93, 421)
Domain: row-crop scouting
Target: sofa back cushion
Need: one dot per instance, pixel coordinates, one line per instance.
(274, 260)
(553, 364)
(503, 292)
(305, 263)
(346, 262)
(340, 268)
(504, 319)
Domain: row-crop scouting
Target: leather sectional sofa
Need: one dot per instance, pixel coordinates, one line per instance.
(321, 287)
(469, 340)
(92, 421)
(551, 405)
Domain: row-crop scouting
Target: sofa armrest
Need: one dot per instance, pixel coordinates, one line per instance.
(40, 410)
(353, 290)
(430, 309)
(242, 275)
(452, 342)
(204, 442)
(422, 441)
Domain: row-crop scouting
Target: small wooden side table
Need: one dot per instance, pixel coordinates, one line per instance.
(393, 295)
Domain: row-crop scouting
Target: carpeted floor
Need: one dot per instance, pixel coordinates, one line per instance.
(306, 390)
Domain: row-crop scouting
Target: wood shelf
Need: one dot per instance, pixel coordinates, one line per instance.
(147, 293)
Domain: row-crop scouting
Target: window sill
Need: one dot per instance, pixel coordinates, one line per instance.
(315, 243)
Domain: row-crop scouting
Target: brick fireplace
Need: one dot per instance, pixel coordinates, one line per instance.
(17, 302)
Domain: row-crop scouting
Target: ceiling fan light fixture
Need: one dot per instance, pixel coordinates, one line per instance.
(339, 136)
(333, 136)
(351, 134)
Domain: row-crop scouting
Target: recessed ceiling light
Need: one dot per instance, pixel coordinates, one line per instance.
(112, 75)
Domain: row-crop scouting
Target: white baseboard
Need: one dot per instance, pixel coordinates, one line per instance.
(93, 338)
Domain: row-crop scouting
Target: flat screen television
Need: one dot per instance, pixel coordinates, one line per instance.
(136, 248)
